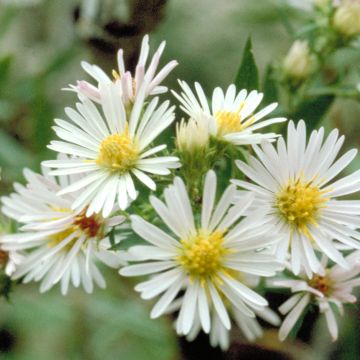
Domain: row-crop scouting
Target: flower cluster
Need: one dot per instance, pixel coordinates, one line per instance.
(206, 241)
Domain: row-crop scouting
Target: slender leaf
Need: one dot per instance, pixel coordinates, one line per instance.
(269, 87)
(314, 110)
(5, 64)
(247, 76)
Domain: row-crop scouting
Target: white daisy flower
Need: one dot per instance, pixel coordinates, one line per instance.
(65, 245)
(112, 150)
(231, 115)
(328, 291)
(294, 182)
(129, 85)
(205, 259)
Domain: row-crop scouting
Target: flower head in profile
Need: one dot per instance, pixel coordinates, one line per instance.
(205, 258)
(295, 183)
(230, 117)
(192, 136)
(328, 291)
(58, 244)
(111, 150)
(128, 85)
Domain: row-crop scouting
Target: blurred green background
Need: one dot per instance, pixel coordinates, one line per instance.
(41, 46)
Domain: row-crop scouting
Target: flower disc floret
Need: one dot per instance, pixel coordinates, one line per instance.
(117, 152)
(229, 121)
(90, 225)
(321, 283)
(299, 203)
(202, 255)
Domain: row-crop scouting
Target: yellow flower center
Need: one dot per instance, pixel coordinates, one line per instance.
(202, 256)
(231, 121)
(117, 152)
(322, 284)
(299, 203)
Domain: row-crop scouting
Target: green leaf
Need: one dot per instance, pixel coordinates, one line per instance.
(5, 63)
(270, 87)
(247, 76)
(313, 110)
(42, 114)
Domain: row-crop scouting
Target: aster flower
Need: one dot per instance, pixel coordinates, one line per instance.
(230, 116)
(128, 85)
(111, 150)
(61, 245)
(328, 291)
(205, 260)
(295, 183)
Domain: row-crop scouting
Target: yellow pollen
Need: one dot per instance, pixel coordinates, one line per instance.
(115, 75)
(117, 152)
(230, 121)
(322, 284)
(202, 256)
(299, 203)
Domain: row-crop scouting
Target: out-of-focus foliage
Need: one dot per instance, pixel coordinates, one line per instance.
(40, 52)
(105, 325)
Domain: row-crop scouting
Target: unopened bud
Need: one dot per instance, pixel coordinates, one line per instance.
(193, 135)
(347, 18)
(298, 62)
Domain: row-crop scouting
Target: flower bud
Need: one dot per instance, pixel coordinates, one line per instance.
(193, 135)
(347, 18)
(298, 61)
